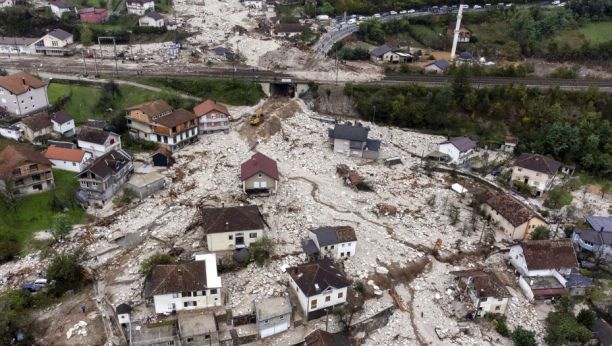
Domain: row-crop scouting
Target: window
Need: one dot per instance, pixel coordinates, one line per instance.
(213, 116)
(213, 291)
(313, 304)
(22, 101)
(342, 254)
(83, 183)
(355, 152)
(190, 304)
(349, 244)
(14, 102)
(171, 306)
(537, 174)
(31, 98)
(343, 245)
(346, 143)
(484, 299)
(497, 308)
(282, 317)
(186, 294)
(341, 151)
(348, 254)
(326, 248)
(95, 184)
(252, 235)
(500, 299)
(332, 247)
(190, 340)
(340, 295)
(327, 299)
(266, 321)
(175, 295)
(170, 343)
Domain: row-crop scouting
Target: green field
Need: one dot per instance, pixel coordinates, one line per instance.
(496, 32)
(103, 26)
(34, 213)
(597, 32)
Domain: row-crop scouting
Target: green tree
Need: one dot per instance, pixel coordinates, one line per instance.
(586, 317)
(523, 337)
(605, 189)
(461, 83)
(14, 316)
(10, 195)
(326, 9)
(66, 269)
(555, 197)
(540, 233)
(511, 50)
(86, 37)
(453, 214)
(262, 250)
(562, 138)
(61, 225)
(147, 265)
(444, 97)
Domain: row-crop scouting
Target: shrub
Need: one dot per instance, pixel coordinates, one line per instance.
(359, 287)
(348, 89)
(586, 317)
(149, 30)
(545, 213)
(125, 198)
(523, 337)
(262, 250)
(328, 92)
(498, 322)
(540, 233)
(66, 270)
(147, 265)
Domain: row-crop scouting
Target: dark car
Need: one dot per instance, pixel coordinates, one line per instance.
(338, 18)
(424, 9)
(385, 14)
(495, 173)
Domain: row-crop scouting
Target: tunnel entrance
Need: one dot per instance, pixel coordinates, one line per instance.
(283, 90)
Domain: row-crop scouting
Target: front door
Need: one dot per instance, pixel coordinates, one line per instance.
(526, 180)
(239, 241)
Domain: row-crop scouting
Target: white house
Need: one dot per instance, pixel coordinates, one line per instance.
(535, 170)
(6, 3)
(68, 159)
(123, 313)
(481, 292)
(139, 7)
(186, 286)
(333, 242)
(10, 131)
(59, 7)
(254, 3)
(319, 286)
(152, 19)
(437, 66)
(63, 123)
(232, 228)
(98, 142)
(510, 144)
(458, 148)
(288, 30)
(23, 94)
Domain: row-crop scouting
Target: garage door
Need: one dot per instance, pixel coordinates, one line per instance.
(274, 330)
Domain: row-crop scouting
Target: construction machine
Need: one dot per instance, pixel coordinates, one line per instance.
(290, 91)
(257, 118)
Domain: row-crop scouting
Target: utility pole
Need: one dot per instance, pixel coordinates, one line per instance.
(84, 65)
(326, 318)
(374, 115)
(95, 62)
(336, 65)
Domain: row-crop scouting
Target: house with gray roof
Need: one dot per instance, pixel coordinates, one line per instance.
(353, 141)
(105, 175)
(437, 66)
(334, 242)
(597, 240)
(458, 148)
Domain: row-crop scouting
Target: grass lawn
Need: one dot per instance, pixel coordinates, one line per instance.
(574, 38)
(5, 142)
(496, 32)
(102, 26)
(587, 179)
(597, 32)
(566, 199)
(34, 213)
(57, 91)
(163, 4)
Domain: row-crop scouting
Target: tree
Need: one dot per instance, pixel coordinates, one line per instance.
(444, 97)
(66, 269)
(430, 166)
(554, 199)
(326, 9)
(461, 83)
(573, 184)
(586, 317)
(605, 189)
(61, 225)
(453, 214)
(262, 250)
(147, 265)
(10, 194)
(86, 37)
(540, 233)
(523, 337)
(511, 50)
(126, 197)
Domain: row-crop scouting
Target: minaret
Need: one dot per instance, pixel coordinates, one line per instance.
(457, 30)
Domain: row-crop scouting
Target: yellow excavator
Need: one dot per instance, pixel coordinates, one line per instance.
(257, 118)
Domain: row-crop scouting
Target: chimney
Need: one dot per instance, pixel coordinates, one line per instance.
(227, 226)
(254, 161)
(601, 229)
(531, 283)
(215, 100)
(296, 270)
(23, 80)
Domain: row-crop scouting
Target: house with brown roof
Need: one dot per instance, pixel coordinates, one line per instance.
(320, 286)
(30, 170)
(288, 30)
(36, 125)
(105, 175)
(259, 174)
(23, 94)
(63, 123)
(93, 15)
(333, 242)
(320, 337)
(535, 170)
(68, 159)
(464, 33)
(213, 116)
(545, 266)
(513, 217)
(98, 142)
(16, 45)
(479, 293)
(510, 144)
(152, 19)
(186, 286)
(140, 117)
(232, 228)
(139, 7)
(162, 157)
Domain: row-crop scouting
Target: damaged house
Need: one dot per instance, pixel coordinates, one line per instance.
(30, 170)
(479, 293)
(598, 240)
(514, 218)
(99, 142)
(259, 174)
(353, 141)
(320, 286)
(232, 228)
(331, 242)
(105, 175)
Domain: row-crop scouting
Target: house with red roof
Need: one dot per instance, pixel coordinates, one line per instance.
(69, 159)
(93, 15)
(259, 174)
(213, 116)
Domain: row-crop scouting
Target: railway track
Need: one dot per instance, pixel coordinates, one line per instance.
(500, 80)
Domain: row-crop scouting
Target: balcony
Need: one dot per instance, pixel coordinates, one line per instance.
(214, 128)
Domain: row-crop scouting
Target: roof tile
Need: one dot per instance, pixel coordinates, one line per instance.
(208, 106)
(259, 163)
(510, 208)
(38, 122)
(19, 82)
(184, 277)
(488, 282)
(549, 254)
(231, 219)
(13, 156)
(72, 155)
(538, 163)
(323, 273)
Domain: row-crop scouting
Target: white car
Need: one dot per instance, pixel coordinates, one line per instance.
(362, 18)
(342, 23)
(376, 15)
(403, 12)
(393, 13)
(556, 3)
(353, 16)
(352, 21)
(477, 7)
(465, 6)
(411, 11)
(509, 5)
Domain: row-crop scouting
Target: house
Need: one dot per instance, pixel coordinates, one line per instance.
(200, 329)
(146, 184)
(602, 333)
(272, 315)
(105, 175)
(139, 7)
(259, 174)
(598, 239)
(514, 218)
(320, 337)
(232, 228)
(213, 116)
(63, 123)
(6, 3)
(98, 142)
(186, 286)
(123, 313)
(100, 125)
(479, 293)
(16, 45)
(56, 43)
(320, 286)
(59, 7)
(162, 158)
(30, 170)
(568, 169)
(437, 66)
(288, 30)
(258, 4)
(141, 335)
(510, 144)
(537, 171)
(93, 15)
(333, 242)
(270, 5)
(464, 33)
(152, 19)
(542, 266)
(60, 144)
(36, 125)
(577, 283)
(385, 53)
(458, 148)
(23, 94)
(12, 131)
(69, 159)
(353, 141)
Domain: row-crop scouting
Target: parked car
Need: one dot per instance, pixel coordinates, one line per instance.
(454, 7)
(403, 12)
(362, 18)
(495, 173)
(338, 18)
(509, 5)
(556, 3)
(563, 3)
(424, 9)
(376, 15)
(352, 21)
(501, 4)
(545, 3)
(465, 6)
(342, 23)
(353, 16)
(411, 11)
(338, 26)
(476, 7)
(385, 14)
(487, 5)
(393, 13)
